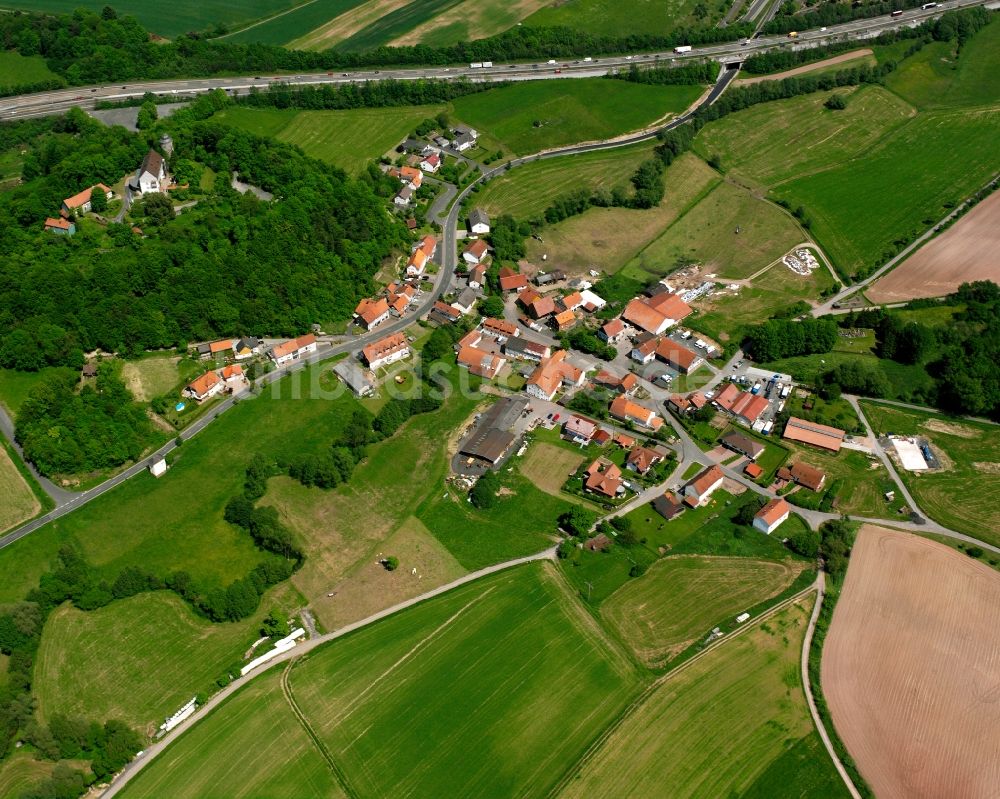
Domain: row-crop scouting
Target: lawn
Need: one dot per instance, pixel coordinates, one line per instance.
(492, 689)
(934, 78)
(724, 725)
(623, 17)
(681, 598)
(139, 659)
(971, 467)
(184, 16)
(608, 238)
(730, 232)
(19, 501)
(348, 139)
(252, 744)
(176, 522)
(857, 208)
(157, 374)
(772, 142)
(541, 114)
(724, 314)
(15, 386)
(18, 70)
(547, 466)
(528, 190)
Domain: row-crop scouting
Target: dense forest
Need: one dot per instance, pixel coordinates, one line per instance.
(230, 265)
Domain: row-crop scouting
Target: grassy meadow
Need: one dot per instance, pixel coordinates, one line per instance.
(348, 139)
(707, 234)
(252, 744)
(15, 386)
(184, 16)
(538, 115)
(491, 689)
(681, 598)
(18, 70)
(469, 20)
(621, 17)
(970, 458)
(153, 643)
(733, 722)
(528, 190)
(19, 501)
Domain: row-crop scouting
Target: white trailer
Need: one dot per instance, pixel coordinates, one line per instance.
(684, 48)
(487, 64)
(476, 65)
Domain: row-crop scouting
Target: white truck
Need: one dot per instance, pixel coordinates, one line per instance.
(587, 60)
(487, 64)
(476, 65)
(684, 48)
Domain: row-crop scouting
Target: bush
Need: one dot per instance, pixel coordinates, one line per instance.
(484, 492)
(835, 102)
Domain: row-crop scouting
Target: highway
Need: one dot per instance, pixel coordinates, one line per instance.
(57, 102)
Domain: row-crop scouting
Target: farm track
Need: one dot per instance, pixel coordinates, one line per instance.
(338, 773)
(643, 697)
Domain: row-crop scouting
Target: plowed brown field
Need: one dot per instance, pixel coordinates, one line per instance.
(911, 668)
(969, 250)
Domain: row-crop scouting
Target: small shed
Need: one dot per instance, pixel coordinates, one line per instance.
(158, 468)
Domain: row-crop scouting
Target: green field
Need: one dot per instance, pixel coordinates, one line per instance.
(18, 70)
(158, 374)
(608, 238)
(773, 142)
(184, 16)
(537, 115)
(681, 598)
(15, 386)
(491, 689)
(723, 315)
(934, 78)
(152, 643)
(939, 157)
(176, 522)
(707, 234)
(348, 139)
(970, 468)
(468, 20)
(622, 17)
(253, 745)
(19, 501)
(528, 190)
(734, 722)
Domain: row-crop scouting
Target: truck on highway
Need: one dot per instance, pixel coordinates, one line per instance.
(476, 65)
(896, 14)
(551, 61)
(684, 48)
(487, 64)
(793, 34)
(587, 60)
(927, 6)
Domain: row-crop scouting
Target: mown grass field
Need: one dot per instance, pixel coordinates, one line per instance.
(772, 142)
(184, 16)
(469, 20)
(723, 316)
(464, 696)
(19, 501)
(934, 78)
(283, 27)
(681, 598)
(528, 190)
(18, 70)
(251, 746)
(491, 689)
(548, 466)
(707, 234)
(138, 659)
(19, 771)
(971, 467)
(157, 374)
(621, 17)
(348, 139)
(906, 182)
(176, 522)
(608, 238)
(733, 722)
(537, 115)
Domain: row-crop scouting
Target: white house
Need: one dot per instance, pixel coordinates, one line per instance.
(158, 468)
(386, 351)
(403, 198)
(465, 301)
(701, 488)
(475, 252)
(772, 515)
(293, 350)
(204, 387)
(151, 177)
(431, 163)
(479, 222)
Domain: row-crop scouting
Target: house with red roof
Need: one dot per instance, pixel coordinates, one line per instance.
(80, 203)
(603, 477)
(293, 350)
(701, 488)
(770, 517)
(475, 251)
(386, 350)
(371, 313)
(204, 387)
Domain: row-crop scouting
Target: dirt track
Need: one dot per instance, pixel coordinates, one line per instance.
(791, 73)
(911, 668)
(969, 250)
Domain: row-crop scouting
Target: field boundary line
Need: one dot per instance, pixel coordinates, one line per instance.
(641, 699)
(349, 709)
(338, 773)
(267, 19)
